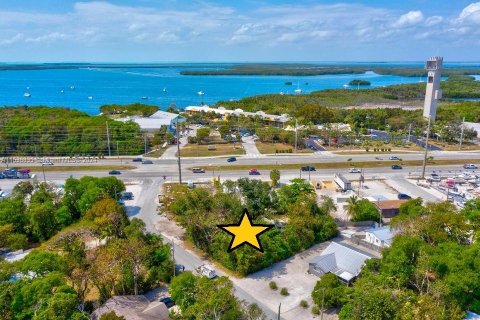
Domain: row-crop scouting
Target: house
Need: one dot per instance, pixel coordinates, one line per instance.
(268, 119)
(381, 237)
(133, 308)
(389, 208)
(344, 262)
(156, 120)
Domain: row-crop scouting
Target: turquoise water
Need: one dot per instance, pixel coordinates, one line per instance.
(93, 87)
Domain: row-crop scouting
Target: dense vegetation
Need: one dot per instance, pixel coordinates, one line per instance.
(315, 70)
(357, 82)
(134, 109)
(431, 271)
(88, 249)
(302, 222)
(397, 94)
(44, 131)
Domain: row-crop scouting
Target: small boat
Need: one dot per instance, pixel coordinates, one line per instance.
(145, 98)
(27, 95)
(298, 90)
(200, 93)
(281, 93)
(72, 87)
(164, 90)
(90, 98)
(345, 86)
(62, 91)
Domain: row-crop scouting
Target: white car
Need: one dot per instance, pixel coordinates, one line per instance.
(354, 170)
(207, 271)
(46, 163)
(394, 158)
(470, 166)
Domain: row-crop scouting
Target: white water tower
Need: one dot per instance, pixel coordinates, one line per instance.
(433, 94)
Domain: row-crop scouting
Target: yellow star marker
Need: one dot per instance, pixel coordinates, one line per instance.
(245, 233)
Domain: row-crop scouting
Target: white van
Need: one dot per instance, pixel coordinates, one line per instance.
(207, 271)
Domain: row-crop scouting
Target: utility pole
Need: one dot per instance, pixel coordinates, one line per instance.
(178, 154)
(409, 132)
(173, 258)
(278, 314)
(461, 134)
(426, 148)
(108, 140)
(43, 170)
(145, 143)
(296, 135)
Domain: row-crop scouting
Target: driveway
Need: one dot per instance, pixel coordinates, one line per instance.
(250, 148)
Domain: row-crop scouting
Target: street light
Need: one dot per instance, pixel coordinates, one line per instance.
(43, 170)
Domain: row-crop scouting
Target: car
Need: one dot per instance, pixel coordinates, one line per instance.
(167, 301)
(137, 160)
(114, 172)
(127, 195)
(2, 176)
(253, 172)
(434, 178)
(231, 159)
(46, 163)
(147, 162)
(354, 170)
(469, 166)
(207, 271)
(198, 170)
(403, 196)
(394, 158)
(396, 167)
(308, 168)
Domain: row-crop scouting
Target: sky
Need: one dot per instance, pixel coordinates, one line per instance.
(238, 31)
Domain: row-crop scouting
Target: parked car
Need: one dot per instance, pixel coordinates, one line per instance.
(198, 170)
(253, 172)
(394, 158)
(403, 196)
(396, 167)
(308, 168)
(2, 176)
(469, 166)
(147, 162)
(167, 301)
(206, 270)
(114, 172)
(354, 170)
(127, 195)
(231, 159)
(137, 160)
(434, 178)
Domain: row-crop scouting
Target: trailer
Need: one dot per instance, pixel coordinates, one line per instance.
(342, 182)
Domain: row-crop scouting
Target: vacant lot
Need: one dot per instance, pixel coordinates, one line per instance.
(271, 148)
(197, 150)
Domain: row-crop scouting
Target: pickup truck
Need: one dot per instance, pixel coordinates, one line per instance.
(206, 270)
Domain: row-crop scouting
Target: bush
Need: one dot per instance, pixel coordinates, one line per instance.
(315, 310)
(367, 149)
(304, 304)
(273, 285)
(284, 292)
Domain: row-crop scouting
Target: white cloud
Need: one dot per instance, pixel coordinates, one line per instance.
(471, 13)
(409, 19)
(433, 21)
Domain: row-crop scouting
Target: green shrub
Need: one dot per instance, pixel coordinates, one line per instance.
(284, 292)
(315, 310)
(304, 304)
(273, 285)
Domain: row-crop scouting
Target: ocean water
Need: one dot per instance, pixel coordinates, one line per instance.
(86, 89)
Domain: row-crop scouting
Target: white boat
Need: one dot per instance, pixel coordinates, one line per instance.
(90, 98)
(145, 98)
(72, 87)
(164, 90)
(298, 90)
(27, 95)
(200, 93)
(281, 93)
(62, 91)
(345, 86)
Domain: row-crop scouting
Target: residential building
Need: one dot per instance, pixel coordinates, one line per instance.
(346, 263)
(389, 208)
(133, 308)
(268, 119)
(156, 120)
(381, 237)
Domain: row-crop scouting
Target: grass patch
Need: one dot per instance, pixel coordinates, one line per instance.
(37, 169)
(342, 165)
(200, 150)
(454, 147)
(271, 148)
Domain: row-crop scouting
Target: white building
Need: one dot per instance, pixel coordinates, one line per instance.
(381, 237)
(156, 120)
(269, 119)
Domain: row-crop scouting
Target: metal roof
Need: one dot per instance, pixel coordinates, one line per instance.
(343, 261)
(383, 234)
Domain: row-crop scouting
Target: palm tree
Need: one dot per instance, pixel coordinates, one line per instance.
(327, 205)
(351, 206)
